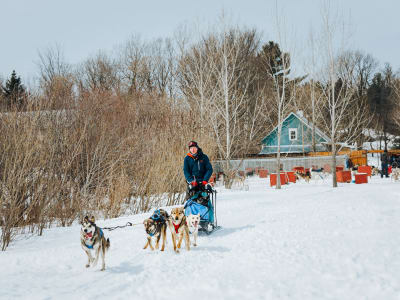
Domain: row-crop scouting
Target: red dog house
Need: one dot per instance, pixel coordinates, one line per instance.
(290, 177)
(361, 178)
(299, 169)
(272, 179)
(365, 169)
(343, 176)
(263, 173)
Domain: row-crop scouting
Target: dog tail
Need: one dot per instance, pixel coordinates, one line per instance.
(107, 243)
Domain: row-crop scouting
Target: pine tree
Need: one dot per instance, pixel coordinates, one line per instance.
(14, 92)
(381, 103)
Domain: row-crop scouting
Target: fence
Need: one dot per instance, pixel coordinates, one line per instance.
(288, 163)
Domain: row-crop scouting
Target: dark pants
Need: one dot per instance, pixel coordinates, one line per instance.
(385, 170)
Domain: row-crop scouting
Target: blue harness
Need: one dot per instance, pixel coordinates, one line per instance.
(158, 218)
(101, 235)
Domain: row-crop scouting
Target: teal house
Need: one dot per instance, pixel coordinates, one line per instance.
(296, 137)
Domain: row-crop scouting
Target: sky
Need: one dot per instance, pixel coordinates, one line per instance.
(82, 28)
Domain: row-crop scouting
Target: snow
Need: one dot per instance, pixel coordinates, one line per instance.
(306, 241)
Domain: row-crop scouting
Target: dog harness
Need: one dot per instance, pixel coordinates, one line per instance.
(158, 218)
(177, 227)
(101, 235)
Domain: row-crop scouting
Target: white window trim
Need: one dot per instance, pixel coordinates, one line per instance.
(290, 134)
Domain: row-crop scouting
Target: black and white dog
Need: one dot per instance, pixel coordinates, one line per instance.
(92, 238)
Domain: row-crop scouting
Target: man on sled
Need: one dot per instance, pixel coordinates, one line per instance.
(197, 167)
(198, 170)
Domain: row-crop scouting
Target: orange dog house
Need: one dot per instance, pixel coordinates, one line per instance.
(365, 169)
(361, 178)
(272, 179)
(263, 173)
(343, 176)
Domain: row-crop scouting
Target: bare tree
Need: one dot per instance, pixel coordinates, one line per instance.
(337, 86)
(233, 78)
(56, 78)
(100, 74)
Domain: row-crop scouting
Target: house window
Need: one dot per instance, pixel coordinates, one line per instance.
(292, 134)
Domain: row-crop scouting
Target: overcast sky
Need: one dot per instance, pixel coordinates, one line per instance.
(82, 27)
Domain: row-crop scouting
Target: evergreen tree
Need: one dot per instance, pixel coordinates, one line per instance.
(14, 92)
(380, 98)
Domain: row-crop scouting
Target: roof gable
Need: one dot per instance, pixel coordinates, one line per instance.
(303, 121)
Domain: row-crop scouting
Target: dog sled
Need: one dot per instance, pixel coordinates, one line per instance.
(202, 200)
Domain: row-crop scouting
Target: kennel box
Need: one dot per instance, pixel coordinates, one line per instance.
(263, 173)
(365, 169)
(299, 169)
(272, 179)
(361, 178)
(290, 177)
(249, 171)
(343, 176)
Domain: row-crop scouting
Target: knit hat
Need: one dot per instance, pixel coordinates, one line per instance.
(193, 144)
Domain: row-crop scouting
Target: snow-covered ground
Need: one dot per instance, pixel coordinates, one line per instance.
(306, 241)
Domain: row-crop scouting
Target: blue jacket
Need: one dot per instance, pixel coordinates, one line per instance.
(197, 167)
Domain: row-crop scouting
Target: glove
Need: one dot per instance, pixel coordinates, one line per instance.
(194, 183)
(204, 183)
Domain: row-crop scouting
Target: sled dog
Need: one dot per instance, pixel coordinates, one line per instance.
(92, 238)
(395, 174)
(156, 227)
(375, 171)
(304, 176)
(179, 228)
(193, 222)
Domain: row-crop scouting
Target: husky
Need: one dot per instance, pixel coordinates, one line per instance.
(179, 228)
(92, 238)
(304, 176)
(395, 174)
(156, 226)
(375, 171)
(193, 222)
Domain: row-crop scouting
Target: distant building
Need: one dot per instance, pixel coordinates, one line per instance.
(296, 137)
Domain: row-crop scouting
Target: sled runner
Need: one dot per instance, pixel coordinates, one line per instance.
(202, 200)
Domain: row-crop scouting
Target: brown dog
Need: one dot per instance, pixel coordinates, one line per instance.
(156, 226)
(179, 228)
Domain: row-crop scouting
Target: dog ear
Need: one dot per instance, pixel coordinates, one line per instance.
(85, 219)
(92, 219)
(198, 214)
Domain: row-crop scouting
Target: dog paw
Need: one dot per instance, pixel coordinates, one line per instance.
(194, 245)
(102, 269)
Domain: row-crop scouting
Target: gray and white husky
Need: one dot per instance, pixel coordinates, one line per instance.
(92, 238)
